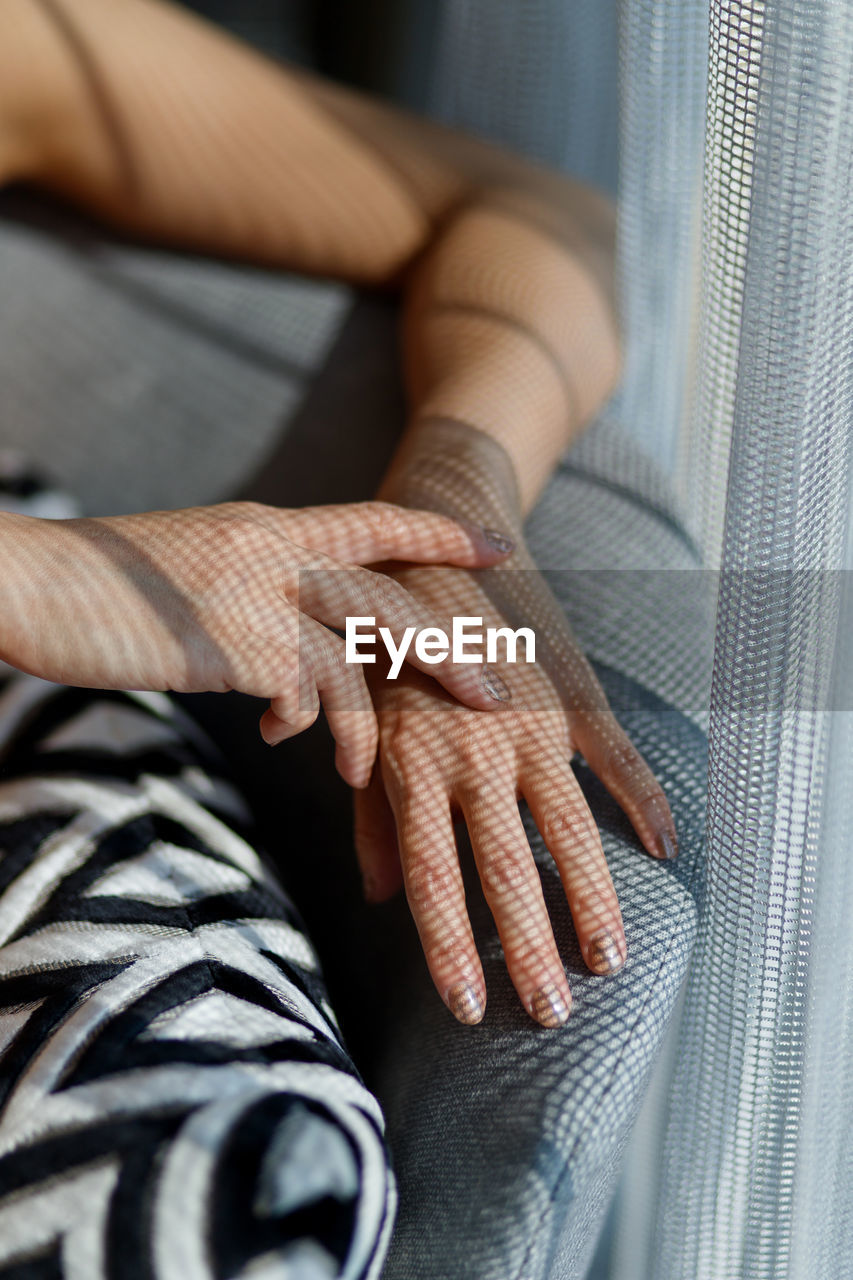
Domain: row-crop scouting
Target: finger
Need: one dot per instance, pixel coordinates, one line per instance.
(614, 759)
(346, 702)
(391, 617)
(376, 841)
(566, 825)
(513, 891)
(364, 532)
(294, 709)
(435, 892)
(320, 674)
(275, 728)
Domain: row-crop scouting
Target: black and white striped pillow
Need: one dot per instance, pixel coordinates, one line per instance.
(175, 1097)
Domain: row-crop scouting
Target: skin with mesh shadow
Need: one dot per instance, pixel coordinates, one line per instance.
(170, 131)
(235, 596)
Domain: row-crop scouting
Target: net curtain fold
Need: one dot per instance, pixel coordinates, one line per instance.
(727, 134)
(751, 1133)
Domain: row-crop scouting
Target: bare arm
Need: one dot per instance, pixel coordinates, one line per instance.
(171, 131)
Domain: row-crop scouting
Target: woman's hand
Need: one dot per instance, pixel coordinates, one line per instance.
(438, 756)
(237, 596)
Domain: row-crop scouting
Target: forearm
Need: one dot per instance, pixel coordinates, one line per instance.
(60, 598)
(170, 130)
(12, 588)
(33, 590)
(510, 346)
(165, 125)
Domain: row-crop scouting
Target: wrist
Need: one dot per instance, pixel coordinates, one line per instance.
(453, 468)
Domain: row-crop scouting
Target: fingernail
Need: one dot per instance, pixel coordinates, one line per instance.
(465, 1004)
(494, 686)
(666, 845)
(549, 1007)
(369, 887)
(604, 955)
(499, 541)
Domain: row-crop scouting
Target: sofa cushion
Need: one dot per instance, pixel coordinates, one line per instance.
(144, 379)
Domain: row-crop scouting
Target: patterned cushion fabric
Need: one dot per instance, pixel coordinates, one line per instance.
(175, 1097)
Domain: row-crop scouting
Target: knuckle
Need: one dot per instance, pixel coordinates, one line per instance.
(276, 671)
(449, 956)
(301, 702)
(649, 795)
(330, 660)
(289, 677)
(430, 886)
(504, 877)
(242, 562)
(248, 510)
(334, 673)
(339, 586)
(299, 707)
(384, 520)
(397, 745)
(304, 717)
(475, 756)
(559, 826)
(532, 955)
(592, 900)
(239, 533)
(346, 705)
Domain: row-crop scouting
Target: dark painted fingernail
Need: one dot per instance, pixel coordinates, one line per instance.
(495, 686)
(499, 541)
(604, 955)
(549, 1007)
(666, 845)
(465, 1004)
(369, 887)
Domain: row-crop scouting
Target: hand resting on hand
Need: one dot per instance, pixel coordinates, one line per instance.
(236, 596)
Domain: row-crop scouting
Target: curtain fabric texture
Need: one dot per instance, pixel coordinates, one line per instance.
(753, 1142)
(730, 155)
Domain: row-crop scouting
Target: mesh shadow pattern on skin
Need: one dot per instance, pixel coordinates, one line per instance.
(533, 1121)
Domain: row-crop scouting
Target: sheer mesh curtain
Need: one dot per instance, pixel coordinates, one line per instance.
(735, 146)
(753, 1139)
